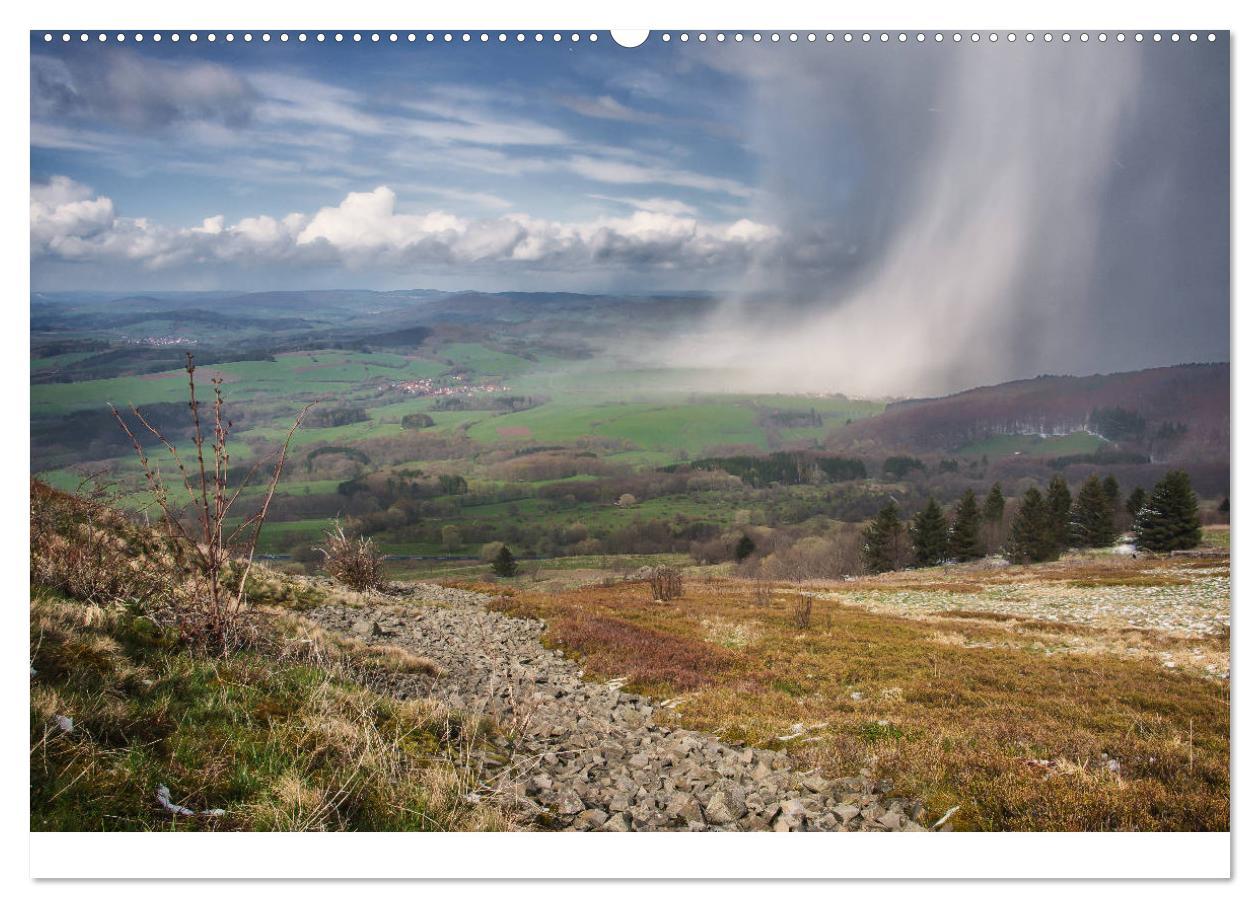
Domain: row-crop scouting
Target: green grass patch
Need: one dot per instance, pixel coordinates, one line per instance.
(276, 744)
(671, 428)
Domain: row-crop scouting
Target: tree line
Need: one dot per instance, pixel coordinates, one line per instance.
(1044, 525)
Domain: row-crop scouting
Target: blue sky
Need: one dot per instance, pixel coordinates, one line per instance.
(571, 134)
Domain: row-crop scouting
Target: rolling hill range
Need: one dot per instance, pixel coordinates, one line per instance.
(1173, 412)
(141, 334)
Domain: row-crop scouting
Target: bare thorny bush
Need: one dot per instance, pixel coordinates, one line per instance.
(666, 583)
(221, 557)
(354, 560)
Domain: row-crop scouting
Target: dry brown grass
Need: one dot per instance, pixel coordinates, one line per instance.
(84, 549)
(990, 712)
(293, 638)
(968, 614)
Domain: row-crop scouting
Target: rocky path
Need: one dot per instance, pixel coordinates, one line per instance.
(591, 757)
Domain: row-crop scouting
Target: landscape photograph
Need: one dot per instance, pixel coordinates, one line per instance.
(742, 431)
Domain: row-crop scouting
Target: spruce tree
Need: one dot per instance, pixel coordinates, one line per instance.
(504, 565)
(1058, 511)
(881, 541)
(929, 534)
(1135, 502)
(744, 547)
(1170, 519)
(1111, 488)
(1032, 538)
(993, 511)
(964, 532)
(1092, 523)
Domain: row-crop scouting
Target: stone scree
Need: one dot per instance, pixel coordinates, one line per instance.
(582, 756)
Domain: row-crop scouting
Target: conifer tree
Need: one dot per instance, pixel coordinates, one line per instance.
(744, 547)
(1170, 518)
(1111, 488)
(964, 532)
(929, 534)
(881, 541)
(504, 565)
(1032, 538)
(1058, 512)
(1092, 523)
(993, 511)
(1135, 502)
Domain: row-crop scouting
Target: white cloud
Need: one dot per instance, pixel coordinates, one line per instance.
(64, 213)
(52, 135)
(444, 122)
(668, 206)
(606, 107)
(606, 170)
(482, 199)
(366, 230)
(293, 99)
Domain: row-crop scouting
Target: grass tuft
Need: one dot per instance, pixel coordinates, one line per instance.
(284, 738)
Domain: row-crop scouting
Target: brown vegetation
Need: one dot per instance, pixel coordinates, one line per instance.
(83, 548)
(666, 583)
(994, 715)
(354, 560)
(802, 610)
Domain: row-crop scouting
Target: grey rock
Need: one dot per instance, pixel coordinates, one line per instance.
(892, 820)
(590, 819)
(618, 822)
(569, 803)
(845, 813)
(790, 816)
(685, 807)
(583, 756)
(726, 805)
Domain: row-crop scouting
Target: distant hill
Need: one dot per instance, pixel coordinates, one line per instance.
(1175, 411)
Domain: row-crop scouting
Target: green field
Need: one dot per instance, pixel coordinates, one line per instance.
(290, 374)
(689, 428)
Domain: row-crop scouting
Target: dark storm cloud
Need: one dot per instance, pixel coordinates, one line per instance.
(962, 214)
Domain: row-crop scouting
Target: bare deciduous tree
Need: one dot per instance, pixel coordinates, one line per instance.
(666, 583)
